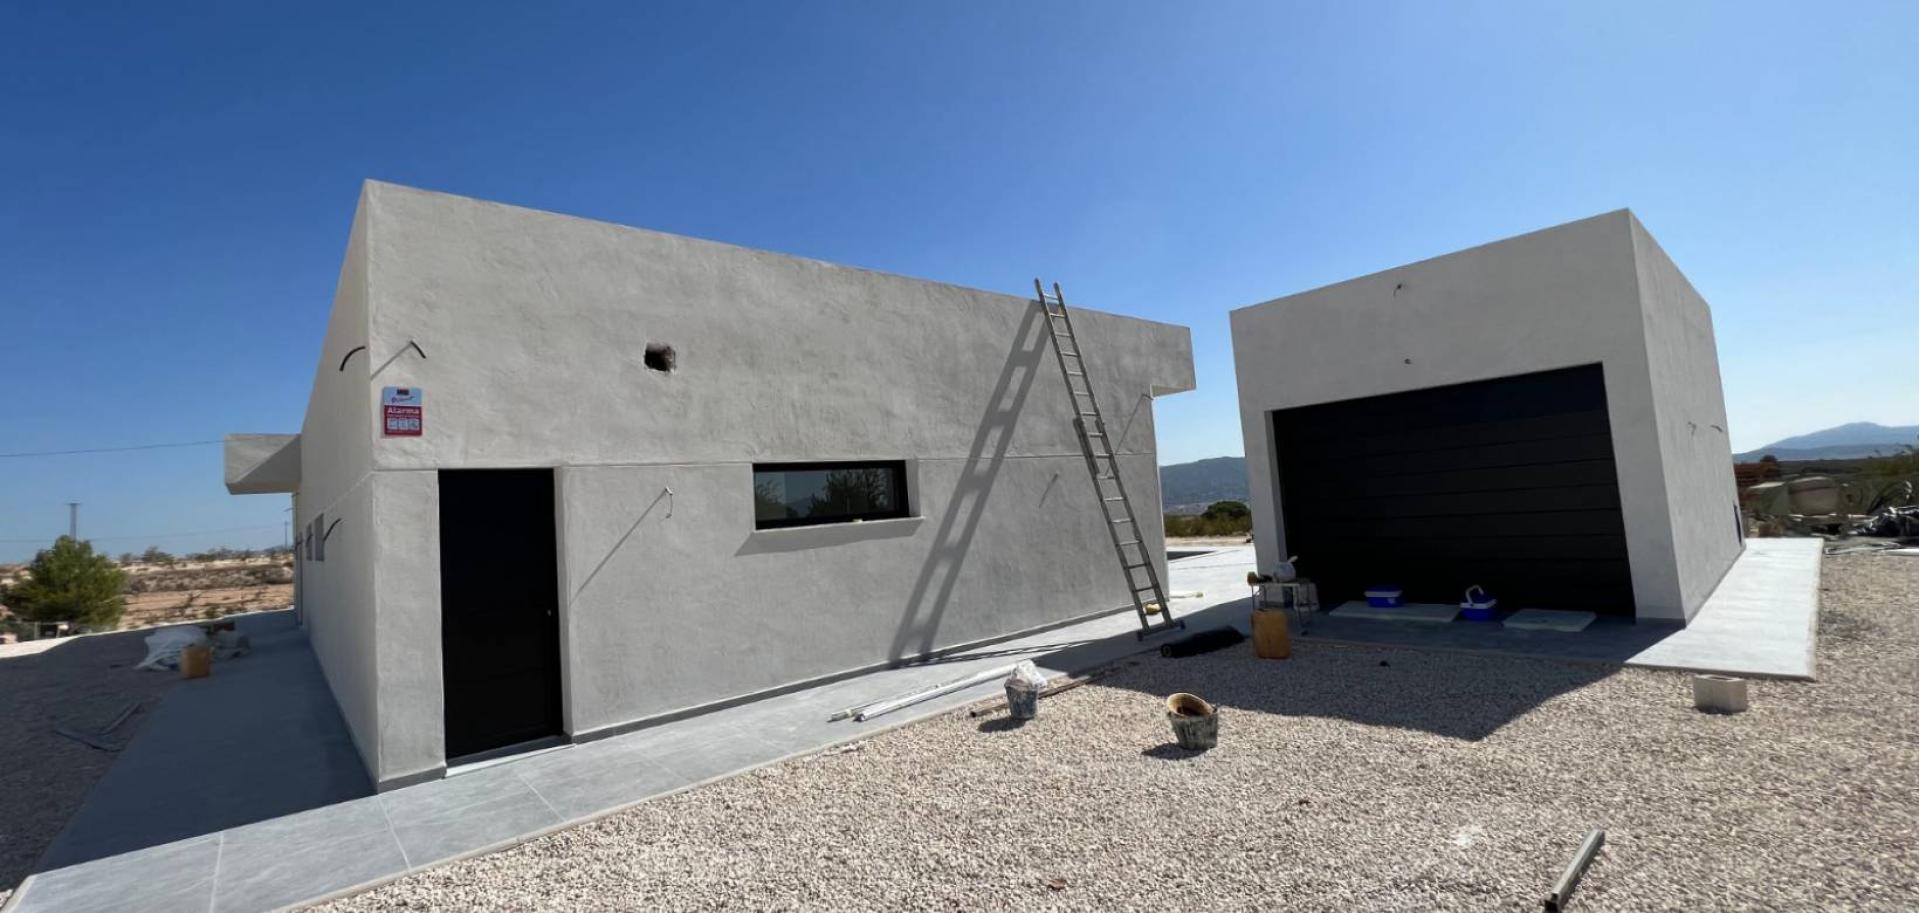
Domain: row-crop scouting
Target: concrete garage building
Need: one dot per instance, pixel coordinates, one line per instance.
(1541, 416)
(559, 478)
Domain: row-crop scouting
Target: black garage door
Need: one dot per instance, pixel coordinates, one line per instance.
(1506, 483)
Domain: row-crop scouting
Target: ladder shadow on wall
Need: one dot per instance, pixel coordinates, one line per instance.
(933, 590)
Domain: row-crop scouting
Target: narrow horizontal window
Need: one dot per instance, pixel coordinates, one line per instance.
(806, 494)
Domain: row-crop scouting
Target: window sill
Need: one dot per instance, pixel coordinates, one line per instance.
(795, 538)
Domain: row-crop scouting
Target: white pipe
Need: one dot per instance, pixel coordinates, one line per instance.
(888, 706)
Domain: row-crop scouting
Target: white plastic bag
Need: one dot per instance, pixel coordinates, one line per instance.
(1026, 677)
(164, 646)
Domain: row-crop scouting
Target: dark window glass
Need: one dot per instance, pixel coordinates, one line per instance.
(804, 494)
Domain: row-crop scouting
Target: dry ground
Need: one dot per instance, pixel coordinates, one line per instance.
(146, 610)
(80, 681)
(1346, 779)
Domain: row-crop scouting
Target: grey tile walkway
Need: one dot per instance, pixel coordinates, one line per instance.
(1762, 615)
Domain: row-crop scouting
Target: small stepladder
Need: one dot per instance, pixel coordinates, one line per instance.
(1129, 541)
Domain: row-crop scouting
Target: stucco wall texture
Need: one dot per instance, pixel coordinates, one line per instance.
(533, 327)
(1594, 291)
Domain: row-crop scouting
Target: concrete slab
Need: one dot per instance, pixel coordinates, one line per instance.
(1550, 620)
(272, 864)
(353, 844)
(1411, 613)
(257, 739)
(1760, 623)
(1762, 620)
(162, 879)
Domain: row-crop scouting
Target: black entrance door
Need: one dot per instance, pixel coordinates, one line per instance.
(499, 600)
(1506, 483)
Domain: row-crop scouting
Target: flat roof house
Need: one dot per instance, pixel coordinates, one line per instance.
(560, 478)
(1541, 416)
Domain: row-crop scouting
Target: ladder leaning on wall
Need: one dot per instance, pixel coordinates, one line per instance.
(1129, 541)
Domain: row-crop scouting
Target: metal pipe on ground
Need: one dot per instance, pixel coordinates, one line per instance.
(863, 712)
(1569, 880)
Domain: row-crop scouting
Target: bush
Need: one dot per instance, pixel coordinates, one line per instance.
(1905, 463)
(1228, 510)
(69, 582)
(1178, 526)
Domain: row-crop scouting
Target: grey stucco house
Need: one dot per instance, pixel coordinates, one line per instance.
(1541, 415)
(559, 478)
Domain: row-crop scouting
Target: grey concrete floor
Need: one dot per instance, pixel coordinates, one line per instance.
(258, 739)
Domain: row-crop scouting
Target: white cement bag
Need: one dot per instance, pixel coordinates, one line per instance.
(1026, 677)
(164, 646)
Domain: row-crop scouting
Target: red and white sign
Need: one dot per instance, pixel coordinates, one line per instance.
(402, 412)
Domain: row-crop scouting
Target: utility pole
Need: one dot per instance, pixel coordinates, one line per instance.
(73, 520)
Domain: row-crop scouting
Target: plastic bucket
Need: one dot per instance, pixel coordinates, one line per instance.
(1021, 703)
(196, 660)
(1270, 639)
(1195, 723)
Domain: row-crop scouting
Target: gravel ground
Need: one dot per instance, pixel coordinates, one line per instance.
(82, 682)
(1345, 779)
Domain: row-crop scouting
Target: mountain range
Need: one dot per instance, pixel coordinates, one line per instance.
(1186, 488)
(1857, 439)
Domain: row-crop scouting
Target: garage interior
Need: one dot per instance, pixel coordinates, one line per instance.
(1508, 483)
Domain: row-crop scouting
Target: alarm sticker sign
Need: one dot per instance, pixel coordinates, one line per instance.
(402, 413)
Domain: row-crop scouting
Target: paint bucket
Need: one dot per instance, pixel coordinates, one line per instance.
(1022, 691)
(1270, 639)
(1022, 703)
(1195, 723)
(196, 660)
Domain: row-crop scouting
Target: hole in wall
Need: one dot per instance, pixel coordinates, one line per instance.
(659, 357)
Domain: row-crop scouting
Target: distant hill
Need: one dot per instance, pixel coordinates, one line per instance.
(1858, 439)
(1188, 487)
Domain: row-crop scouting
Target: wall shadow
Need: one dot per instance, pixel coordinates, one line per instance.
(1456, 695)
(933, 589)
(621, 543)
(802, 538)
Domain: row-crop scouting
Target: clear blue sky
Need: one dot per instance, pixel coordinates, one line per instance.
(179, 180)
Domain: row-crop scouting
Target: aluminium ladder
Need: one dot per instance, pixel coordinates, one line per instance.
(1129, 541)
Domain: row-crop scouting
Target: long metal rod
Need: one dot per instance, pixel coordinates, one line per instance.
(1569, 881)
(888, 706)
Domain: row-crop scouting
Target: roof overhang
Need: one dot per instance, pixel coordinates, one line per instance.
(262, 464)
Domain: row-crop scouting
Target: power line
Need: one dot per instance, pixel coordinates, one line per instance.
(146, 536)
(46, 453)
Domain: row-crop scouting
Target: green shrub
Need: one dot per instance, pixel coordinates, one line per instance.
(69, 582)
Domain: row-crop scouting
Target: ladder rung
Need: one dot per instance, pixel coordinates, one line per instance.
(1129, 542)
(1145, 589)
(1123, 520)
(1082, 393)
(1112, 499)
(1095, 434)
(1083, 414)
(1077, 373)
(1139, 565)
